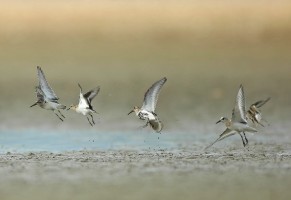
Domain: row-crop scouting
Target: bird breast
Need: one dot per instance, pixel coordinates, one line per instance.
(82, 111)
(146, 115)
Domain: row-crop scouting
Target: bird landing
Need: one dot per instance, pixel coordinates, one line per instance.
(147, 111)
(238, 122)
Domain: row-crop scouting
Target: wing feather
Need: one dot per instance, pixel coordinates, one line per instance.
(44, 86)
(39, 94)
(151, 96)
(92, 93)
(239, 110)
(259, 104)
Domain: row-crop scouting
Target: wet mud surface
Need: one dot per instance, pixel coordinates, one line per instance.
(259, 171)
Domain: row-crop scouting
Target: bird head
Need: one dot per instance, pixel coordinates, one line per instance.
(73, 107)
(135, 109)
(222, 119)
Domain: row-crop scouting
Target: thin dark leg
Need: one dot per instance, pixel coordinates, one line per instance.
(59, 117)
(61, 114)
(253, 120)
(92, 118)
(261, 124)
(246, 139)
(242, 139)
(89, 121)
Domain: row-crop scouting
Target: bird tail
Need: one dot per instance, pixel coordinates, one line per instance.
(251, 129)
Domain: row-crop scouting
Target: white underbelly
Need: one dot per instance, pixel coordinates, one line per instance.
(242, 128)
(83, 111)
(147, 115)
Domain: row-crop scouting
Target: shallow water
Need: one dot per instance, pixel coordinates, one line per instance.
(50, 141)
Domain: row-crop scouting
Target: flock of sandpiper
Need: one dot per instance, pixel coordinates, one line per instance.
(239, 122)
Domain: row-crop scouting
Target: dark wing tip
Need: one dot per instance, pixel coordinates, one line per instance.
(39, 68)
(261, 102)
(40, 72)
(164, 79)
(95, 90)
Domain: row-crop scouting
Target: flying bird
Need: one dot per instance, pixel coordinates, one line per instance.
(46, 97)
(254, 113)
(147, 111)
(85, 107)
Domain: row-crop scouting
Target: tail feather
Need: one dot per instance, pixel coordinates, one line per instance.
(251, 129)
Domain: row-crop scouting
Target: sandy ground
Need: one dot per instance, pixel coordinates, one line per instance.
(256, 173)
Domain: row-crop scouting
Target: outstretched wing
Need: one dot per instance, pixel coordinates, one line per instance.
(259, 104)
(151, 96)
(92, 93)
(39, 94)
(222, 136)
(239, 110)
(45, 87)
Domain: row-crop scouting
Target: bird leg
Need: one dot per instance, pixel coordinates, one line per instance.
(261, 124)
(89, 121)
(255, 121)
(92, 118)
(246, 139)
(242, 139)
(61, 114)
(58, 116)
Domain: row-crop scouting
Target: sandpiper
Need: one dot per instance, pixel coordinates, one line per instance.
(46, 98)
(84, 107)
(238, 122)
(254, 113)
(147, 111)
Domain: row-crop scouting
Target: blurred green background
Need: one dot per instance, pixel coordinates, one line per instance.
(205, 48)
